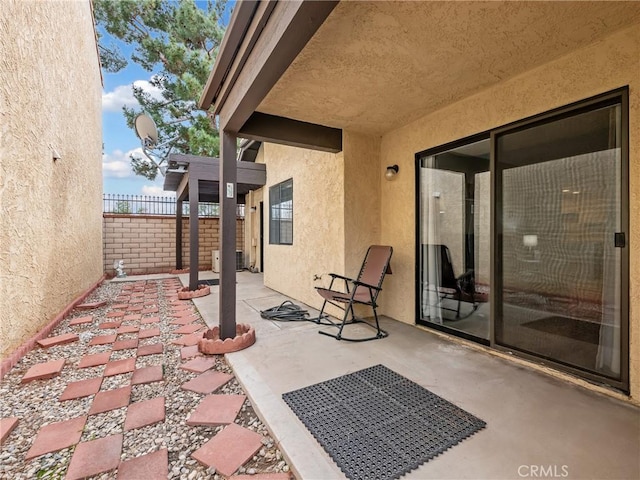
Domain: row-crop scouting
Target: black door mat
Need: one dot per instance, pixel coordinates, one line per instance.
(214, 281)
(377, 424)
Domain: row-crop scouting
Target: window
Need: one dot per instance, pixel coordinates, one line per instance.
(281, 213)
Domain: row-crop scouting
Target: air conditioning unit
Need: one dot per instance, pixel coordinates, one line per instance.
(215, 260)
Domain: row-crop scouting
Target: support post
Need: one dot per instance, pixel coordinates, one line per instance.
(178, 234)
(228, 187)
(194, 241)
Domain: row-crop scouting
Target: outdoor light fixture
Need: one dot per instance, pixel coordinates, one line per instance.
(55, 154)
(253, 209)
(392, 171)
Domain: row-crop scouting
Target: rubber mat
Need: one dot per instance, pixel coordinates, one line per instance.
(377, 424)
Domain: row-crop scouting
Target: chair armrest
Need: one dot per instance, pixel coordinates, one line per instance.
(362, 284)
(468, 273)
(335, 275)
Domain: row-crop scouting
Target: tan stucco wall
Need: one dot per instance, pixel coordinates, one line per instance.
(50, 212)
(318, 220)
(602, 66)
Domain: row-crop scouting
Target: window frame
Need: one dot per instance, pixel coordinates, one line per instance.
(276, 202)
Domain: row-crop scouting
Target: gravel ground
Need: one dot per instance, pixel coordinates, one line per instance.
(36, 403)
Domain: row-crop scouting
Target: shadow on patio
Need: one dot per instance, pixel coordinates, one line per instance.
(535, 422)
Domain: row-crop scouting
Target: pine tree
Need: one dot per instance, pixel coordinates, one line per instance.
(179, 41)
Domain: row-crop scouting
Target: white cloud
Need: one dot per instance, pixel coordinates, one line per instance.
(122, 96)
(156, 191)
(117, 164)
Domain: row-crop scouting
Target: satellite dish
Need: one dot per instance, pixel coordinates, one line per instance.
(146, 130)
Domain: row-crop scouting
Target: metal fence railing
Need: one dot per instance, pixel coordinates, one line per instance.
(151, 205)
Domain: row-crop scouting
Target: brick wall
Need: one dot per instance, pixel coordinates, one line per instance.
(147, 244)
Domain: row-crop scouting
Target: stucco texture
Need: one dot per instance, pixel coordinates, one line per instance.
(607, 64)
(318, 220)
(51, 211)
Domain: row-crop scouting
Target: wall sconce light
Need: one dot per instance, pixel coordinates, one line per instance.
(252, 209)
(392, 171)
(55, 154)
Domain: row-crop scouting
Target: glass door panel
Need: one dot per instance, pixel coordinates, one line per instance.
(454, 239)
(558, 271)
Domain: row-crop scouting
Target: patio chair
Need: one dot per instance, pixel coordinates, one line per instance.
(364, 290)
(447, 285)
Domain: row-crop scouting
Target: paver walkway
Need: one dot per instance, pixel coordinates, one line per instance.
(113, 354)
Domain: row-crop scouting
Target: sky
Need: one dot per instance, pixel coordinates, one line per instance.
(120, 141)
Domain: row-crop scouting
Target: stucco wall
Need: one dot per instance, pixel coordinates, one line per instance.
(605, 65)
(51, 211)
(318, 220)
(147, 243)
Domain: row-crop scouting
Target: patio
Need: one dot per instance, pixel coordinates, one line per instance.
(533, 420)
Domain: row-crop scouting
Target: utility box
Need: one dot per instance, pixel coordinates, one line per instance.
(215, 261)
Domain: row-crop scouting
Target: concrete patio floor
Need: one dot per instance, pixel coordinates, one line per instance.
(533, 420)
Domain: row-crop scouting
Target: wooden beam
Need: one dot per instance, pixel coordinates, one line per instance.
(227, 292)
(290, 26)
(178, 234)
(285, 131)
(194, 241)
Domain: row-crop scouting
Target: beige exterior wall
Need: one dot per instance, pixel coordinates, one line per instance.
(318, 220)
(605, 65)
(50, 211)
(147, 244)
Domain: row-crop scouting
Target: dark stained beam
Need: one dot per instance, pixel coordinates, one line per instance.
(228, 181)
(194, 240)
(179, 235)
(289, 27)
(285, 131)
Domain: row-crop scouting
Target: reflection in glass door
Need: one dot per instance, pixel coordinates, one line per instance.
(454, 239)
(560, 228)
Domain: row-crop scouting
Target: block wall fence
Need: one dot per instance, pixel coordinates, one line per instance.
(147, 243)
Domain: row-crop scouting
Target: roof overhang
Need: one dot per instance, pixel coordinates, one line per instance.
(374, 66)
(206, 171)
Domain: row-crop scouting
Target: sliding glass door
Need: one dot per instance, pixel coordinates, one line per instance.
(559, 211)
(454, 238)
(522, 238)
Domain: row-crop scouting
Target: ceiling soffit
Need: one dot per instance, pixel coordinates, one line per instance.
(375, 66)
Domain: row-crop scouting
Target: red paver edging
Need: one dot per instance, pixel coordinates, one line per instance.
(22, 350)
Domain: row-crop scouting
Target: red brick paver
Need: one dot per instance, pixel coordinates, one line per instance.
(189, 352)
(115, 314)
(208, 382)
(125, 344)
(147, 412)
(6, 427)
(191, 328)
(229, 449)
(102, 339)
(83, 388)
(188, 340)
(152, 466)
(199, 365)
(154, 349)
(81, 320)
(147, 375)
(94, 360)
(148, 333)
(216, 410)
(58, 340)
(128, 329)
(57, 436)
(91, 305)
(132, 317)
(109, 325)
(120, 366)
(184, 320)
(146, 321)
(42, 371)
(110, 400)
(94, 457)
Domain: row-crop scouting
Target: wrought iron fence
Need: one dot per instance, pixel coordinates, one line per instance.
(151, 205)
